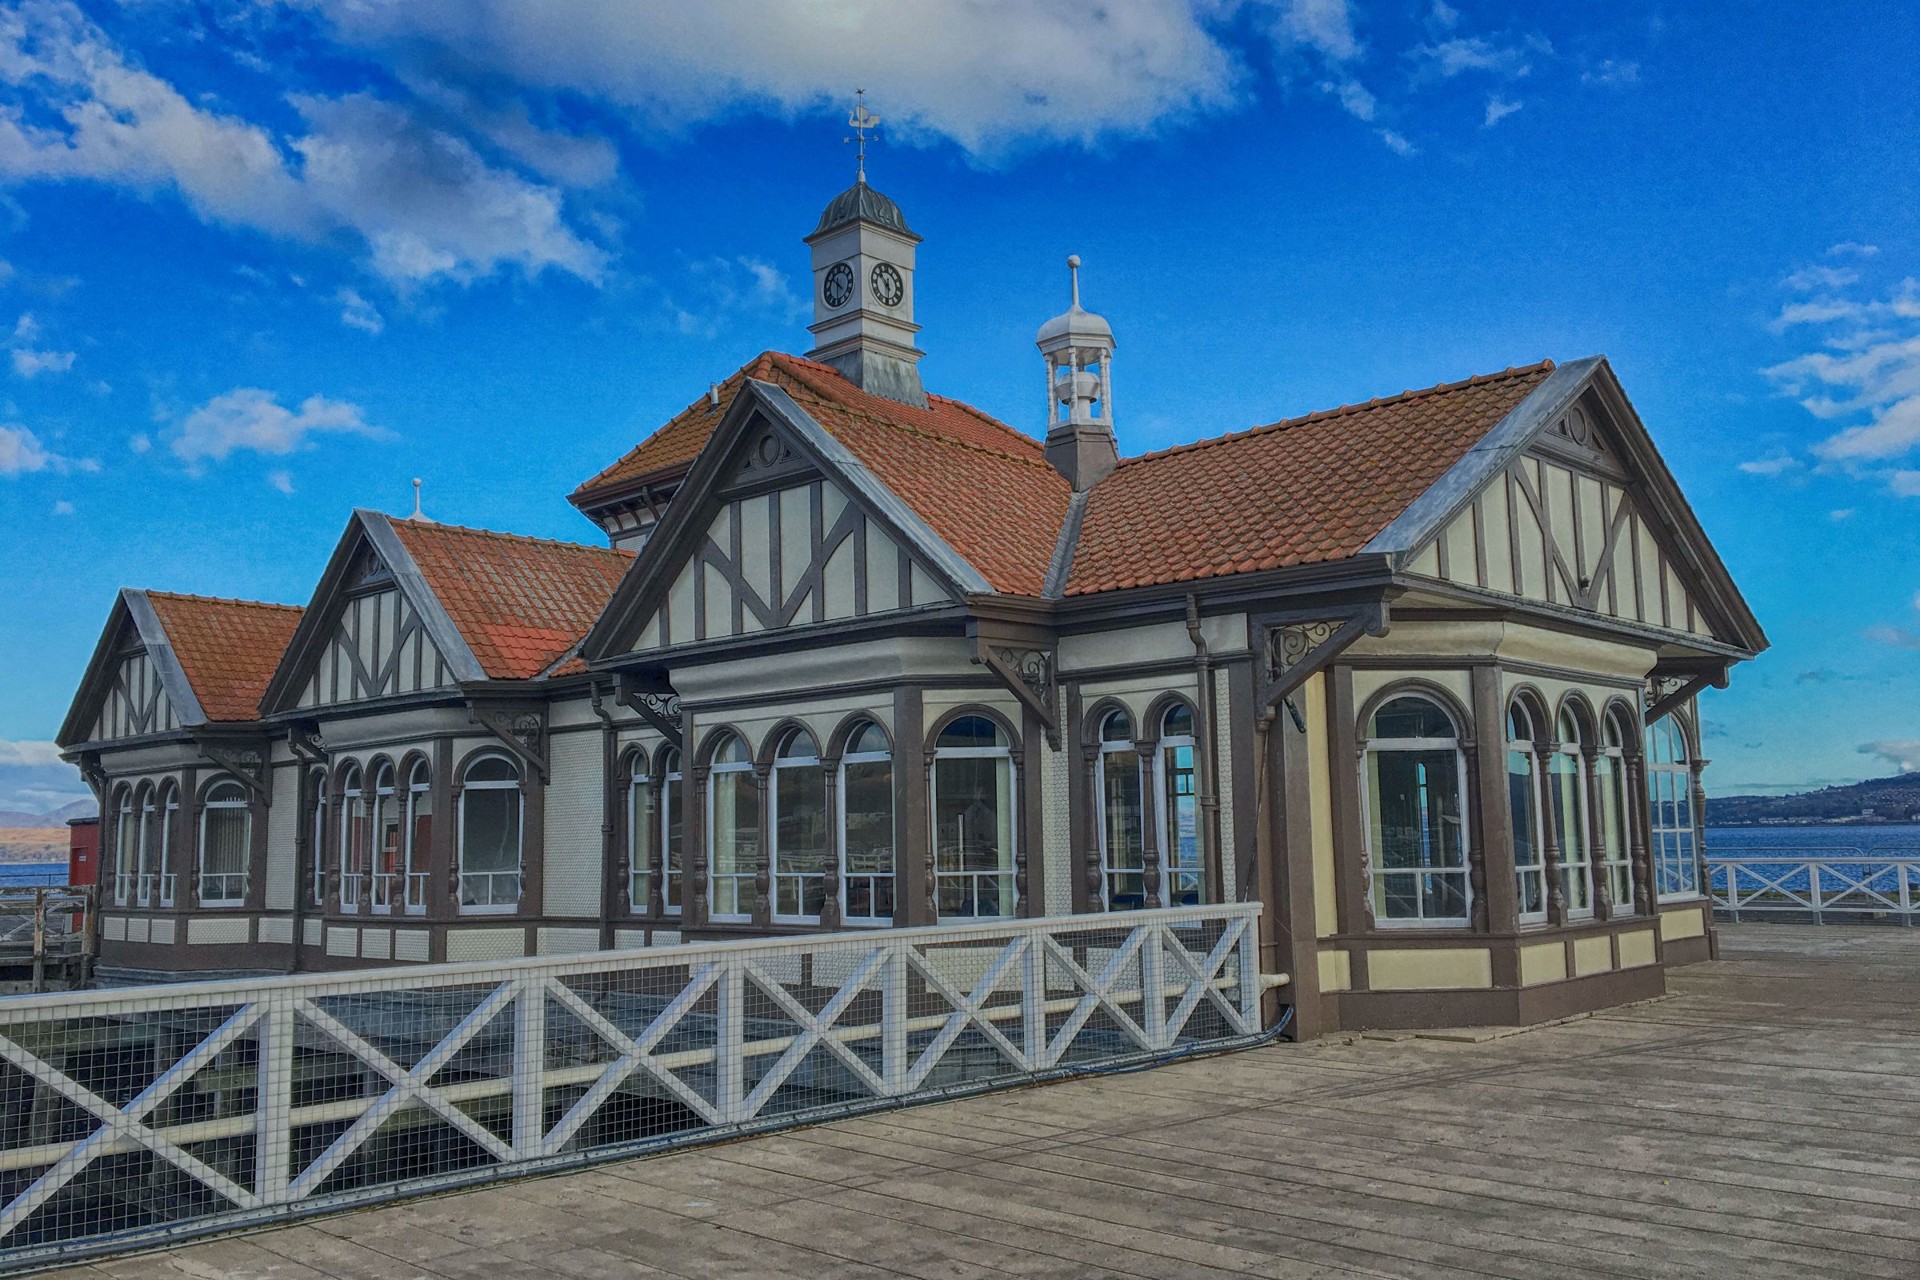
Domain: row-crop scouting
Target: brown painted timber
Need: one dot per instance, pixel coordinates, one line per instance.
(1762, 1121)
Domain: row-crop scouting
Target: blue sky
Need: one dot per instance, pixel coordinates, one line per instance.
(265, 262)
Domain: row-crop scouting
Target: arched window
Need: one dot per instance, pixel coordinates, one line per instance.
(1416, 799)
(355, 839)
(162, 837)
(733, 831)
(419, 835)
(226, 833)
(317, 838)
(866, 828)
(126, 846)
(1567, 776)
(973, 826)
(1610, 790)
(148, 822)
(799, 826)
(642, 827)
(672, 811)
(1676, 869)
(1184, 882)
(491, 829)
(389, 823)
(1523, 803)
(1118, 781)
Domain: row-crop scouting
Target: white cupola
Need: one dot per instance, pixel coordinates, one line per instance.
(1078, 348)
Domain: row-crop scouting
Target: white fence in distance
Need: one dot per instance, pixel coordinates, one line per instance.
(1841, 884)
(129, 1117)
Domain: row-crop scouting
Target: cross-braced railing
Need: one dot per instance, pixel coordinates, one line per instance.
(1804, 884)
(134, 1115)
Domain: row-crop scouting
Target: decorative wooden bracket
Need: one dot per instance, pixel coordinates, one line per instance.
(303, 739)
(246, 761)
(520, 729)
(1297, 650)
(653, 701)
(94, 775)
(1670, 686)
(1027, 668)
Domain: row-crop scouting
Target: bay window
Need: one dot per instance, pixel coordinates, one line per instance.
(1416, 801)
(866, 828)
(492, 828)
(973, 820)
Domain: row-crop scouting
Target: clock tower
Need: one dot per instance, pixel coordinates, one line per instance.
(863, 294)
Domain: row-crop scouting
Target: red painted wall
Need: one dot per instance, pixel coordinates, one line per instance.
(83, 851)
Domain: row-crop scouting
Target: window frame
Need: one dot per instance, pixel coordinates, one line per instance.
(413, 859)
(1108, 746)
(775, 874)
(743, 766)
(1003, 751)
(1370, 746)
(468, 785)
(352, 826)
(1610, 760)
(1573, 871)
(641, 833)
(210, 804)
(1678, 774)
(316, 817)
(846, 873)
(671, 769)
(386, 807)
(1528, 746)
(1164, 807)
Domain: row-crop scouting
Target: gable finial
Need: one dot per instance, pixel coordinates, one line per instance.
(862, 120)
(418, 516)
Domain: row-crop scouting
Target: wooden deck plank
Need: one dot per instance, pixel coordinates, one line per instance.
(1762, 1122)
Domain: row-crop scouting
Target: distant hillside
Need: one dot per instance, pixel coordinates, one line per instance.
(20, 820)
(1894, 799)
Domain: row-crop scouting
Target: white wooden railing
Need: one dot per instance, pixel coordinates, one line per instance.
(137, 1115)
(1820, 885)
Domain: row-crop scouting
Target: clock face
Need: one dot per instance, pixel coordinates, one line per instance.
(887, 285)
(837, 288)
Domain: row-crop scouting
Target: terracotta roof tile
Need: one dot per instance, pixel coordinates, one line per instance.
(520, 603)
(1302, 491)
(984, 487)
(227, 648)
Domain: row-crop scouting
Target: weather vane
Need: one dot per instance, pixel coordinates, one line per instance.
(862, 120)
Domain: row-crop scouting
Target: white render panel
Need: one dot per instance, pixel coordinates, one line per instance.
(838, 580)
(137, 928)
(680, 598)
(485, 944)
(557, 941)
(796, 538)
(925, 589)
(573, 819)
(114, 928)
(410, 944)
(883, 571)
(1056, 832)
(343, 942)
(719, 602)
(310, 932)
(756, 542)
(165, 932)
(376, 944)
(277, 929)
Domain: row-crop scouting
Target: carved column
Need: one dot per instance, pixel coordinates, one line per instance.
(1092, 875)
(1596, 824)
(1150, 843)
(763, 872)
(836, 845)
(1639, 832)
(693, 825)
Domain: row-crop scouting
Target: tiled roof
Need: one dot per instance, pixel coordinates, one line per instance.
(227, 648)
(1302, 491)
(982, 486)
(520, 603)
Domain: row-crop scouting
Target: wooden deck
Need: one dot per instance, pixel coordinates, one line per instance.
(1762, 1121)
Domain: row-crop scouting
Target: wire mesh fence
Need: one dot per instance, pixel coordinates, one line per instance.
(128, 1117)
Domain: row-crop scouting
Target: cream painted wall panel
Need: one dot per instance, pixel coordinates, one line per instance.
(573, 851)
(343, 942)
(410, 945)
(883, 571)
(1336, 971)
(1430, 970)
(566, 942)
(925, 589)
(839, 575)
(796, 538)
(138, 929)
(1326, 918)
(1558, 496)
(680, 601)
(165, 932)
(937, 702)
(1426, 561)
(277, 930)
(376, 944)
(1592, 955)
(310, 932)
(719, 602)
(1596, 506)
(1651, 611)
(114, 928)
(1463, 564)
(756, 540)
(1636, 949)
(1676, 925)
(1495, 518)
(649, 635)
(1369, 682)
(1543, 962)
(1531, 569)
(283, 822)
(485, 944)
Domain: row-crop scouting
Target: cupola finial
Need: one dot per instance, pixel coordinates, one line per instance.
(1078, 348)
(861, 120)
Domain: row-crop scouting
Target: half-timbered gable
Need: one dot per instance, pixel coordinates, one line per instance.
(379, 645)
(136, 699)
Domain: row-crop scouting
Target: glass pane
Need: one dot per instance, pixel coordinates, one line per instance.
(1178, 722)
(225, 851)
(640, 831)
(1564, 775)
(1123, 828)
(671, 853)
(868, 740)
(1183, 828)
(734, 842)
(490, 831)
(1413, 800)
(972, 731)
(973, 835)
(1116, 727)
(800, 838)
(492, 769)
(869, 803)
(1411, 718)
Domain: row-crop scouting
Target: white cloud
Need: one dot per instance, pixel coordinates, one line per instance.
(1397, 143)
(251, 419)
(21, 452)
(1611, 74)
(1498, 109)
(63, 508)
(357, 313)
(1354, 98)
(1902, 753)
(1904, 484)
(1867, 367)
(1462, 54)
(31, 364)
(1807, 279)
(281, 482)
(1841, 513)
(1777, 465)
(1444, 15)
(140, 442)
(1896, 637)
(1853, 248)
(424, 202)
(29, 752)
(1322, 25)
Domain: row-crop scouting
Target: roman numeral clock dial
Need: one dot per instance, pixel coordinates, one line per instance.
(887, 285)
(837, 288)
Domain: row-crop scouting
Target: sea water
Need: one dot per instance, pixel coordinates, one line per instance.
(15, 875)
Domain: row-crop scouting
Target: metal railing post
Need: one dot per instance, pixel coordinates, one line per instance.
(1033, 1003)
(893, 1016)
(1153, 1003)
(729, 1065)
(273, 1106)
(1813, 889)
